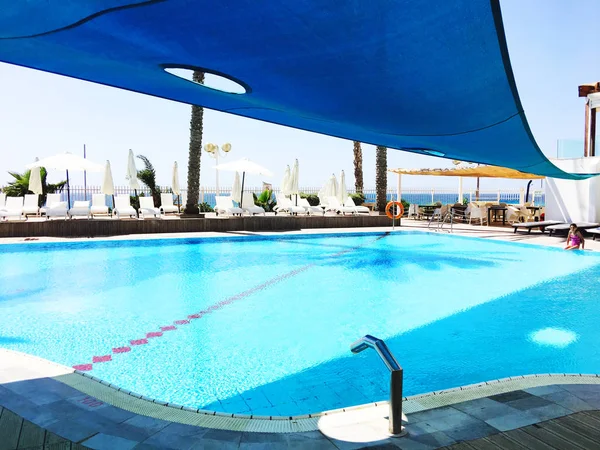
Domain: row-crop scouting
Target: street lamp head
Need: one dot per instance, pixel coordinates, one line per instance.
(210, 148)
(226, 147)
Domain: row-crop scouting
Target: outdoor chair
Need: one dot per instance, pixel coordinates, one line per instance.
(99, 207)
(284, 204)
(334, 205)
(249, 206)
(359, 209)
(81, 208)
(31, 205)
(310, 209)
(166, 204)
(413, 211)
(224, 205)
(477, 213)
(147, 208)
(54, 207)
(13, 208)
(123, 207)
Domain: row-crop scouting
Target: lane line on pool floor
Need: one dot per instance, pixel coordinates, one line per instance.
(97, 359)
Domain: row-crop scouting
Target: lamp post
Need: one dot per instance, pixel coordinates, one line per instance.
(214, 151)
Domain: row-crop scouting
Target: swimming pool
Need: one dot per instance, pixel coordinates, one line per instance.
(263, 325)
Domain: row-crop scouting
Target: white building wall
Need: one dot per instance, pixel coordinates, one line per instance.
(574, 201)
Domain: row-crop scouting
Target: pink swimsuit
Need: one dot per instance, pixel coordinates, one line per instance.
(575, 240)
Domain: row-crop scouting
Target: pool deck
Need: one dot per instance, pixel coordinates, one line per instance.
(42, 403)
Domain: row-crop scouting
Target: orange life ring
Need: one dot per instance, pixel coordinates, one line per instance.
(399, 210)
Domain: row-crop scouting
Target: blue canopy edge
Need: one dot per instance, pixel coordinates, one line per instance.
(423, 76)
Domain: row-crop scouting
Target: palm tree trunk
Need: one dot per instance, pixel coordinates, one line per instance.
(358, 168)
(381, 177)
(196, 125)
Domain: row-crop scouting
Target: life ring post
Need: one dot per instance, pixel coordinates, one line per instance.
(398, 211)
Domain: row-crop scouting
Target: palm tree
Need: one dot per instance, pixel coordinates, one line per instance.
(148, 176)
(381, 177)
(20, 185)
(193, 182)
(358, 169)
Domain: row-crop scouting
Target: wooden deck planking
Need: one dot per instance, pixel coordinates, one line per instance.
(578, 431)
(10, 429)
(31, 436)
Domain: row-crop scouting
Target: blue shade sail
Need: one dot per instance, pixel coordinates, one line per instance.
(424, 76)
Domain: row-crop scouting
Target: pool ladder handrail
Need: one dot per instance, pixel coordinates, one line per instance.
(396, 379)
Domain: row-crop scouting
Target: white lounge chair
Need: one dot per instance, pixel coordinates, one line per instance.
(310, 209)
(31, 205)
(54, 207)
(147, 208)
(249, 206)
(123, 207)
(13, 208)
(81, 208)
(284, 204)
(51, 199)
(99, 207)
(225, 206)
(166, 204)
(359, 209)
(333, 204)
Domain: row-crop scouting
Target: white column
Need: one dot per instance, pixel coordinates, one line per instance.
(399, 188)
(432, 192)
(460, 190)
(522, 196)
(217, 170)
(498, 195)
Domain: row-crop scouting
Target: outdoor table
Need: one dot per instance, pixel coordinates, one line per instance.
(495, 209)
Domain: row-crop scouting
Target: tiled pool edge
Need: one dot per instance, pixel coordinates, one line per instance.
(138, 404)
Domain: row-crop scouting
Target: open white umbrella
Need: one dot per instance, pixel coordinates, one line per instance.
(131, 175)
(35, 181)
(295, 174)
(285, 183)
(244, 165)
(236, 190)
(175, 184)
(67, 161)
(342, 193)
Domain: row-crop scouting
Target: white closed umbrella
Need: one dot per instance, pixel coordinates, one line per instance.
(35, 181)
(108, 185)
(236, 190)
(294, 176)
(342, 193)
(244, 165)
(285, 183)
(131, 175)
(175, 184)
(333, 186)
(67, 161)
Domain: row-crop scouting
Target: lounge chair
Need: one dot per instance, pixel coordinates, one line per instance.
(123, 207)
(147, 208)
(54, 207)
(531, 225)
(333, 204)
(13, 208)
(31, 205)
(565, 226)
(99, 207)
(359, 209)
(225, 206)
(166, 204)
(310, 209)
(284, 204)
(595, 232)
(249, 206)
(81, 208)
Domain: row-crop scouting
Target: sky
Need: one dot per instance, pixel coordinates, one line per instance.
(551, 45)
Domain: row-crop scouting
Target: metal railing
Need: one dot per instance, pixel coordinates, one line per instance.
(418, 196)
(396, 379)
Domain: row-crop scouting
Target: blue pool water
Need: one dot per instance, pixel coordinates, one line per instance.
(279, 314)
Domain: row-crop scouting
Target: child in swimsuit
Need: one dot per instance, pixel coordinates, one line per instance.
(574, 238)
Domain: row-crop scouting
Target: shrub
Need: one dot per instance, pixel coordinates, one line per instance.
(205, 207)
(405, 204)
(358, 198)
(313, 199)
(265, 200)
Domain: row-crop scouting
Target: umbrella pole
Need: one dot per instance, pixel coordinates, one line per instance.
(84, 176)
(178, 203)
(136, 196)
(68, 191)
(113, 208)
(242, 193)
